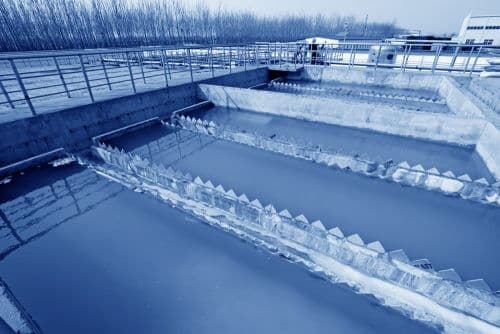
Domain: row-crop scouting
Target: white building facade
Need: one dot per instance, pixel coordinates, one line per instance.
(480, 29)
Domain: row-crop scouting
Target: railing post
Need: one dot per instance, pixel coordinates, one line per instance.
(230, 60)
(407, 57)
(351, 62)
(296, 55)
(245, 56)
(164, 67)
(475, 60)
(436, 58)
(23, 88)
(268, 54)
(212, 61)
(468, 58)
(455, 55)
(256, 55)
(167, 65)
(85, 76)
(190, 64)
(139, 59)
(404, 56)
(130, 72)
(61, 76)
(281, 54)
(105, 71)
(6, 94)
(378, 56)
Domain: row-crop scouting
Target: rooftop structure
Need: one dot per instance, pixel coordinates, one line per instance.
(480, 29)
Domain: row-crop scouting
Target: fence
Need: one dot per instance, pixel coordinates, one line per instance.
(41, 77)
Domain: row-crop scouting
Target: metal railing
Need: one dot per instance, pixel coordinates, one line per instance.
(36, 80)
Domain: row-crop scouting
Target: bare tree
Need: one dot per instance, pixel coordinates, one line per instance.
(63, 24)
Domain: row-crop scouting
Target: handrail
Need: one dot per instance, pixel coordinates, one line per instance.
(51, 73)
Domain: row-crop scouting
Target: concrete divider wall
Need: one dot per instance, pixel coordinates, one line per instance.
(488, 147)
(437, 127)
(417, 176)
(73, 128)
(394, 78)
(204, 199)
(457, 100)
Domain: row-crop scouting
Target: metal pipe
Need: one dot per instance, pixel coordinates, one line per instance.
(164, 67)
(130, 72)
(212, 61)
(245, 56)
(105, 72)
(6, 94)
(436, 58)
(468, 58)
(61, 77)
(139, 59)
(190, 64)
(378, 56)
(455, 55)
(21, 84)
(84, 71)
(475, 60)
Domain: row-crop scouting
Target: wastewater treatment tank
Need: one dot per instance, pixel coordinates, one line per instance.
(322, 200)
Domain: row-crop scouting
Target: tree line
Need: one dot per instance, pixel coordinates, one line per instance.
(77, 24)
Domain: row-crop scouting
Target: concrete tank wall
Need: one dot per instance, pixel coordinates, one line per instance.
(73, 128)
(367, 76)
(488, 147)
(437, 127)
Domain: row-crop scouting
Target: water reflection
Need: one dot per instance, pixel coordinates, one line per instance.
(37, 202)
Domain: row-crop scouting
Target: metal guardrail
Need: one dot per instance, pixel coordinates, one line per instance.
(26, 77)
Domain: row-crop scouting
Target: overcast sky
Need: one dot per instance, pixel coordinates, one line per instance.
(430, 16)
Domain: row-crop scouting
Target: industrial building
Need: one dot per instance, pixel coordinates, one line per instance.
(480, 29)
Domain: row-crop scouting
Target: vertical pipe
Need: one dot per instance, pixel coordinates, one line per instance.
(212, 61)
(455, 55)
(281, 53)
(378, 56)
(404, 56)
(245, 56)
(85, 76)
(130, 73)
(350, 56)
(23, 88)
(475, 60)
(139, 59)
(268, 54)
(190, 64)
(6, 94)
(296, 55)
(162, 53)
(468, 58)
(61, 76)
(407, 57)
(167, 65)
(436, 58)
(105, 72)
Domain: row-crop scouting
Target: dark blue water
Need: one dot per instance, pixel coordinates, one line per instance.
(367, 144)
(122, 262)
(451, 232)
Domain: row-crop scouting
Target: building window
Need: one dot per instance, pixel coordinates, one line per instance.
(469, 41)
(492, 27)
(488, 42)
(475, 27)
